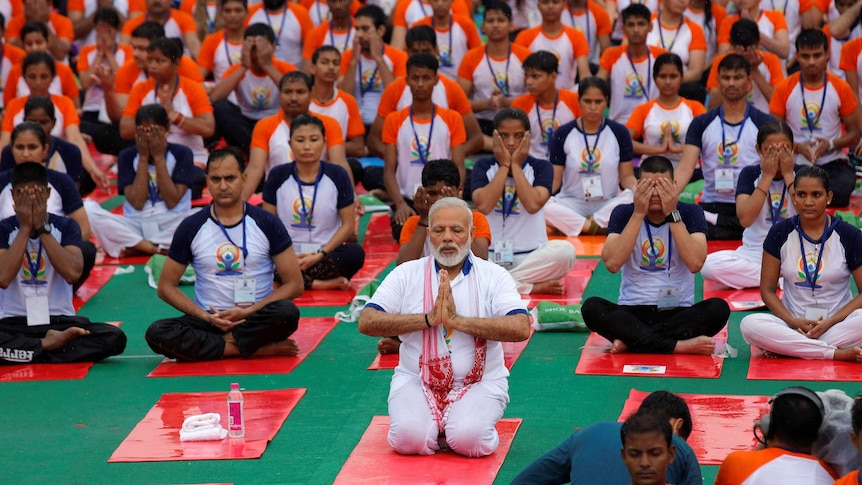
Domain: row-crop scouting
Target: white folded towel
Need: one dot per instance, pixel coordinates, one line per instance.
(202, 427)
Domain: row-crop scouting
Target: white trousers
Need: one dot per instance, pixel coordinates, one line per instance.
(768, 332)
(469, 431)
(569, 214)
(115, 232)
(550, 261)
(735, 269)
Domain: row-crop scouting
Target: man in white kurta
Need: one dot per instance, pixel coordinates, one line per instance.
(451, 311)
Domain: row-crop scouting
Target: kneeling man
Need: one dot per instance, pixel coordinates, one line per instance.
(451, 386)
(658, 243)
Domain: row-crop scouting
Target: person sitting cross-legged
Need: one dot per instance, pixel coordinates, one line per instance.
(659, 244)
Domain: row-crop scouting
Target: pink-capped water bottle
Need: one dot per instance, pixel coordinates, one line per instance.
(236, 424)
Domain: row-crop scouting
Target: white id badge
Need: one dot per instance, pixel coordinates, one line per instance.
(668, 298)
(37, 309)
(243, 292)
(815, 313)
(593, 187)
(504, 252)
(724, 180)
(302, 248)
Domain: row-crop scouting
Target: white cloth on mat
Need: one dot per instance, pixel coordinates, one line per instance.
(202, 427)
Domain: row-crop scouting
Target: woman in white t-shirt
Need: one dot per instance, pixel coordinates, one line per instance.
(815, 255)
(314, 199)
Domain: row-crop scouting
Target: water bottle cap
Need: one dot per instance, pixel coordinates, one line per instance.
(234, 386)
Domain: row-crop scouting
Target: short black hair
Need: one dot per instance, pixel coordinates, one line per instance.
(323, 50)
(542, 61)
(796, 419)
(170, 47)
(243, 2)
(423, 60)
(295, 76)
(656, 164)
(222, 153)
(734, 62)
(36, 58)
(259, 29)
(373, 12)
(812, 38)
(34, 128)
(667, 58)
(30, 27)
(498, 6)
(670, 406)
(441, 170)
(511, 114)
(636, 10)
(150, 30)
(2, 21)
(154, 113)
(774, 127)
(107, 15)
(812, 171)
(646, 422)
(40, 102)
(421, 33)
(30, 172)
(745, 33)
(306, 119)
(594, 82)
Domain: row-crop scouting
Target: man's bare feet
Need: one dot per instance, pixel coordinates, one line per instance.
(388, 345)
(550, 287)
(55, 339)
(340, 283)
(618, 347)
(285, 347)
(768, 354)
(852, 354)
(699, 345)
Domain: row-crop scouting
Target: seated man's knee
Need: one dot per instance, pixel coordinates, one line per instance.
(411, 435)
(472, 438)
(593, 309)
(157, 335)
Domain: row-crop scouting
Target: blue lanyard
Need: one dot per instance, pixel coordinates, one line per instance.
(447, 61)
(280, 29)
(669, 245)
(504, 85)
(646, 90)
(307, 211)
(34, 266)
(726, 151)
(423, 154)
(422, 6)
(661, 35)
(586, 16)
(370, 87)
(546, 135)
(813, 121)
(176, 90)
(775, 212)
(346, 38)
(224, 231)
(783, 10)
(2, 55)
(227, 51)
(591, 152)
(810, 277)
(210, 20)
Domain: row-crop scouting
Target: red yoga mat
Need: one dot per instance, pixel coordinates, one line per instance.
(596, 360)
(157, 436)
(378, 236)
(586, 245)
(310, 333)
(325, 297)
(100, 195)
(574, 285)
(761, 368)
(511, 352)
(373, 461)
(714, 246)
(721, 424)
(374, 264)
(99, 276)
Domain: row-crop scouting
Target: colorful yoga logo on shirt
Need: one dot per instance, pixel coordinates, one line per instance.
(261, 96)
(508, 205)
(809, 264)
(423, 148)
(779, 207)
(728, 153)
(653, 256)
(591, 163)
(227, 259)
(675, 130)
(29, 278)
(549, 126)
(634, 86)
(370, 79)
(501, 78)
(810, 112)
(299, 213)
(445, 53)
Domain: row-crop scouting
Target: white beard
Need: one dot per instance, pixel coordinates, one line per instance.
(449, 260)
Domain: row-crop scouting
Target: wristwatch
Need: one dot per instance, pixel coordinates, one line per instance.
(45, 228)
(673, 216)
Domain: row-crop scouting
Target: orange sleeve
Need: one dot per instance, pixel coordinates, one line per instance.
(636, 120)
(456, 97)
(84, 58)
(850, 55)
(185, 22)
(483, 229)
(570, 99)
(524, 102)
(609, 58)
(13, 27)
(845, 94)
(345, 60)
(137, 7)
(778, 103)
(262, 132)
(399, 61)
(283, 67)
(470, 62)
(189, 68)
(409, 228)
(773, 64)
(777, 19)
(719, 13)
(206, 56)
(67, 107)
(197, 96)
(14, 54)
(696, 108)
(390, 96)
(462, 7)
(68, 81)
(603, 20)
(10, 91)
(63, 28)
(75, 6)
(527, 36)
(520, 52)
(712, 79)
(230, 70)
(315, 39)
(133, 24)
(302, 16)
(399, 16)
(390, 126)
(188, 6)
(469, 27)
(579, 42)
(333, 131)
(136, 98)
(724, 30)
(355, 127)
(12, 109)
(458, 135)
(125, 78)
(698, 39)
